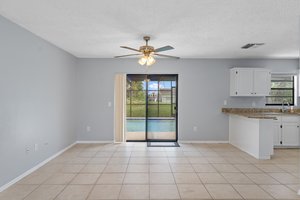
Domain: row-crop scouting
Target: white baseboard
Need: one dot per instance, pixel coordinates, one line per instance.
(180, 141)
(94, 141)
(204, 141)
(7, 185)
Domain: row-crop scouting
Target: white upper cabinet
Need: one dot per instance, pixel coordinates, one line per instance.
(262, 82)
(250, 82)
(242, 82)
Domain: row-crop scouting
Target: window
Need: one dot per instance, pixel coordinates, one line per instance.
(282, 89)
(160, 92)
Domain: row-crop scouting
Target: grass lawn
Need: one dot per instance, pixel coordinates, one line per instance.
(140, 110)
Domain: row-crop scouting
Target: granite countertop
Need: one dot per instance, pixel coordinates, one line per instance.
(260, 113)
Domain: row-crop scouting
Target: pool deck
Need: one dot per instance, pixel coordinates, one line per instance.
(151, 135)
(151, 118)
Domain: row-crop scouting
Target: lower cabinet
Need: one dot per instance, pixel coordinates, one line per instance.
(277, 133)
(290, 134)
(287, 131)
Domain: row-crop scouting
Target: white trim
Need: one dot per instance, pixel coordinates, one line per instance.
(7, 185)
(204, 141)
(298, 192)
(285, 73)
(180, 141)
(94, 141)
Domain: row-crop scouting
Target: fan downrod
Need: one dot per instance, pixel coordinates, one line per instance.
(146, 38)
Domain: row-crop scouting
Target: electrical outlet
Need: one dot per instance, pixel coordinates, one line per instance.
(109, 104)
(225, 102)
(27, 149)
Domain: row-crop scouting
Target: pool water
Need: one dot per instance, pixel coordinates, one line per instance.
(154, 125)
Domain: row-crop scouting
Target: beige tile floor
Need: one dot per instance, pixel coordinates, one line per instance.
(134, 171)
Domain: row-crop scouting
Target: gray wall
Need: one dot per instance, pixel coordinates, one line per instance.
(203, 87)
(36, 100)
(43, 89)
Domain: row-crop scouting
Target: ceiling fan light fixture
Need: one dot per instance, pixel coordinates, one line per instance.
(150, 61)
(143, 60)
(147, 53)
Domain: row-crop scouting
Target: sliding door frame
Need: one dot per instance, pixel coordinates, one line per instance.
(146, 104)
(176, 113)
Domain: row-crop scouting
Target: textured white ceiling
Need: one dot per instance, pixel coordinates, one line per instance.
(196, 28)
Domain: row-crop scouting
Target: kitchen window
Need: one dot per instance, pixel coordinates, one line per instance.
(282, 90)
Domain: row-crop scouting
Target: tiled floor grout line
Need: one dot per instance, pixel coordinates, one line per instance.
(232, 184)
(253, 183)
(41, 184)
(124, 176)
(174, 179)
(202, 181)
(64, 163)
(244, 173)
(88, 163)
(32, 191)
(149, 181)
(82, 153)
(79, 173)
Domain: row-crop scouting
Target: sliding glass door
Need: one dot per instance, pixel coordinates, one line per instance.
(161, 108)
(151, 107)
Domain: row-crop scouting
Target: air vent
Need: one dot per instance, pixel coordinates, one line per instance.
(252, 45)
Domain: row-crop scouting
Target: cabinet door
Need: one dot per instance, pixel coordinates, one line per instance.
(233, 82)
(290, 134)
(244, 82)
(261, 82)
(277, 133)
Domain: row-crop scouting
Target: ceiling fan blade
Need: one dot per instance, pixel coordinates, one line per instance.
(130, 48)
(165, 48)
(136, 54)
(162, 55)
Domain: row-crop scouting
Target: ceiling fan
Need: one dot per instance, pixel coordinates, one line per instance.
(147, 52)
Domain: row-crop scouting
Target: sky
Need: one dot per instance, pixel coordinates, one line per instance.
(153, 85)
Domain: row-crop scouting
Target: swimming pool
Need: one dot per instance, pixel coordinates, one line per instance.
(154, 125)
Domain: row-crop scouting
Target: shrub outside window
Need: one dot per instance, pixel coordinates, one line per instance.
(282, 90)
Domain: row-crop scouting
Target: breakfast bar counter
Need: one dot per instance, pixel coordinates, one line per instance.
(252, 135)
(251, 130)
